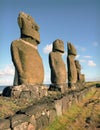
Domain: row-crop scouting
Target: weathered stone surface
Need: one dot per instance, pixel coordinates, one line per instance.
(52, 115)
(72, 72)
(58, 45)
(71, 49)
(58, 107)
(22, 126)
(80, 77)
(33, 92)
(31, 127)
(65, 104)
(28, 26)
(42, 122)
(27, 61)
(33, 121)
(57, 65)
(18, 119)
(4, 124)
(78, 66)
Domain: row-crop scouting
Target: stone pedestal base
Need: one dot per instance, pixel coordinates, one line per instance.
(26, 91)
(58, 87)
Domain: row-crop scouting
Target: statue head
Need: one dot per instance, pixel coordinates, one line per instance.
(58, 45)
(71, 49)
(28, 27)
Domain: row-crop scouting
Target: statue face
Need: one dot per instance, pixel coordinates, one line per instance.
(58, 45)
(28, 26)
(27, 19)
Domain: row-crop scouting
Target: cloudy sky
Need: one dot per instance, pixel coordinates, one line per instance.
(76, 21)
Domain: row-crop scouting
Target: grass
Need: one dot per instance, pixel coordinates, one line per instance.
(92, 83)
(8, 106)
(77, 116)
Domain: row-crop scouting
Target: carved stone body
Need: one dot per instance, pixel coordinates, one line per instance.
(57, 65)
(78, 68)
(27, 61)
(72, 72)
(80, 77)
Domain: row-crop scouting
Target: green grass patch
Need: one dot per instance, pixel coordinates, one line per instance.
(76, 111)
(63, 121)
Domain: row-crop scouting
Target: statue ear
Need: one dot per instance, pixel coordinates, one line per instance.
(20, 22)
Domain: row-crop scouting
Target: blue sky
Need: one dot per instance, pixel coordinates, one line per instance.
(76, 21)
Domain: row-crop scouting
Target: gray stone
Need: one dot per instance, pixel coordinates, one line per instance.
(33, 121)
(4, 124)
(65, 105)
(22, 126)
(58, 107)
(52, 115)
(18, 119)
(42, 122)
(31, 127)
(33, 92)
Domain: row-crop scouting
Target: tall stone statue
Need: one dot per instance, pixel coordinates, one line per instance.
(57, 65)
(25, 56)
(72, 72)
(80, 77)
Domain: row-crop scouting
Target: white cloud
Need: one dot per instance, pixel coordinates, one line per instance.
(82, 49)
(7, 75)
(95, 44)
(82, 60)
(47, 49)
(6, 82)
(8, 70)
(91, 63)
(77, 56)
(64, 54)
(87, 57)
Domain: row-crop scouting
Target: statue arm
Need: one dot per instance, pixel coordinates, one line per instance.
(16, 58)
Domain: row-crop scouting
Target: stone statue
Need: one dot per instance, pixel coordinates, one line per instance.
(80, 77)
(72, 72)
(25, 56)
(57, 65)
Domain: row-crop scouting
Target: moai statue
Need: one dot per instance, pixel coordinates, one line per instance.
(80, 77)
(72, 72)
(57, 65)
(78, 68)
(25, 56)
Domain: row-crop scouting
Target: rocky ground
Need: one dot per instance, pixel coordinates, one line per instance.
(89, 117)
(83, 116)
